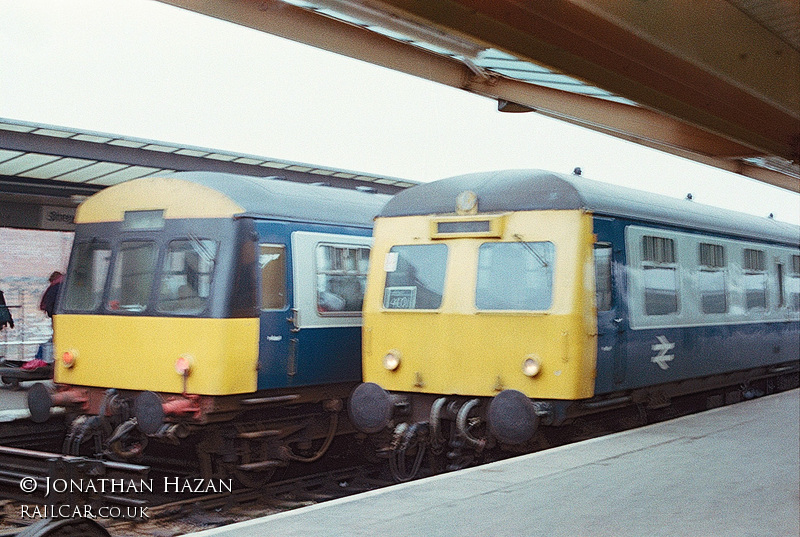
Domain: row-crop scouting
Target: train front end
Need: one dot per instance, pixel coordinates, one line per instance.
(479, 312)
(157, 312)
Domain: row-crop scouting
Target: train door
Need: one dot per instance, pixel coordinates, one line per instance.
(330, 275)
(275, 329)
(611, 324)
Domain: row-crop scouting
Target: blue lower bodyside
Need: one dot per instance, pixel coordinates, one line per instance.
(649, 357)
(314, 356)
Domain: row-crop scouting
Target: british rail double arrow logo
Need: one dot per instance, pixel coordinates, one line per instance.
(662, 348)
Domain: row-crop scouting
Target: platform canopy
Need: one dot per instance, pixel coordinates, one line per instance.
(47, 170)
(716, 81)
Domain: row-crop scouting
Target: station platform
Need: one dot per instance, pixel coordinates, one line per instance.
(14, 402)
(734, 470)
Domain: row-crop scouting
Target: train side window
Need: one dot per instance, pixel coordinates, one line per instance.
(272, 260)
(793, 284)
(341, 278)
(660, 275)
(602, 276)
(515, 276)
(755, 279)
(711, 279)
(186, 276)
(781, 285)
(415, 277)
(87, 276)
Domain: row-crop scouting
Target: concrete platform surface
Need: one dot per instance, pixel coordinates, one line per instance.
(14, 402)
(731, 471)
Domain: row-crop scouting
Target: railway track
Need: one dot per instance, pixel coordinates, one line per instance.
(197, 512)
(23, 433)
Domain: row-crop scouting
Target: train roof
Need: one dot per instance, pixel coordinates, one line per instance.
(533, 190)
(233, 195)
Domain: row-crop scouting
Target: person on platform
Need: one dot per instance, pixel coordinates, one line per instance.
(44, 357)
(5, 313)
(48, 302)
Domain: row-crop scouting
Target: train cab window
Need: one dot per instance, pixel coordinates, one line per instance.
(711, 279)
(87, 276)
(755, 279)
(602, 276)
(515, 276)
(341, 278)
(243, 291)
(660, 276)
(186, 276)
(272, 260)
(132, 279)
(793, 284)
(415, 277)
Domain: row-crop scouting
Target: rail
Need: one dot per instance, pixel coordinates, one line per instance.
(50, 478)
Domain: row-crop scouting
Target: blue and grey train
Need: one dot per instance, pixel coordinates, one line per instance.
(211, 310)
(501, 302)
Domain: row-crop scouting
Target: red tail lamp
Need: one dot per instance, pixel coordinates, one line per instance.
(183, 365)
(68, 358)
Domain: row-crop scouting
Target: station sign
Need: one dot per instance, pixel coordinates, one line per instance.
(57, 218)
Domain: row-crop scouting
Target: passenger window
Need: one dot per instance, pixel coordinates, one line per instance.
(87, 276)
(415, 277)
(186, 276)
(602, 276)
(660, 276)
(755, 279)
(711, 279)
(515, 276)
(132, 280)
(341, 278)
(272, 260)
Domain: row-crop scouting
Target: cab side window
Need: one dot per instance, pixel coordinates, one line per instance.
(272, 260)
(244, 290)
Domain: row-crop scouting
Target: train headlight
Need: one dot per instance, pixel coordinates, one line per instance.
(392, 360)
(531, 366)
(183, 365)
(68, 358)
(467, 203)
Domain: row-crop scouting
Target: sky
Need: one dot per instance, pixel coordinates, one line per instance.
(143, 69)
